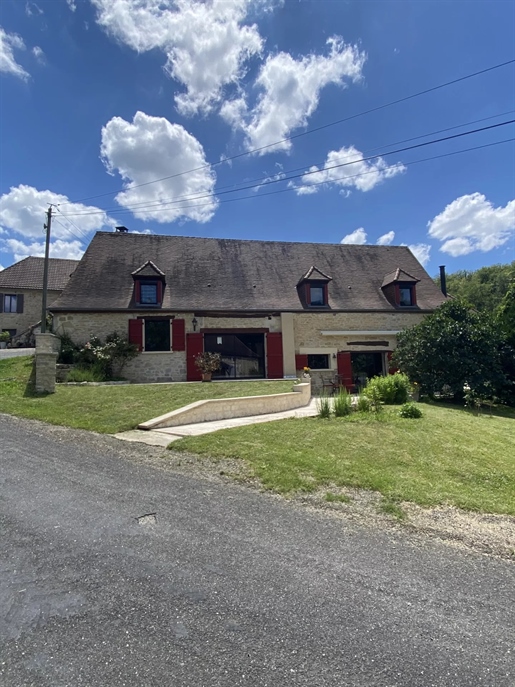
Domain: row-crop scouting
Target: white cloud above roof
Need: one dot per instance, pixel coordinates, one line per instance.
(289, 93)
(150, 148)
(9, 42)
(70, 250)
(206, 43)
(362, 175)
(386, 239)
(357, 237)
(421, 251)
(471, 223)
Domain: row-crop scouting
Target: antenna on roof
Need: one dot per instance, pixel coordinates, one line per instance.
(121, 230)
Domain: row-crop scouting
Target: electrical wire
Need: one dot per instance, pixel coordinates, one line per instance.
(321, 183)
(303, 174)
(307, 132)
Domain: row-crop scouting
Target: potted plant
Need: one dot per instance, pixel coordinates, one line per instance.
(208, 363)
(4, 338)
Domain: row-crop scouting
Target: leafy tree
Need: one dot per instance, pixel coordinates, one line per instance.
(484, 288)
(506, 323)
(453, 346)
(506, 315)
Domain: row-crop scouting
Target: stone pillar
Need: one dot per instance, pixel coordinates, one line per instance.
(47, 350)
(288, 345)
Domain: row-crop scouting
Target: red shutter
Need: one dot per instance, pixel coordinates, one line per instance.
(391, 370)
(194, 346)
(344, 364)
(159, 295)
(274, 355)
(307, 291)
(137, 291)
(301, 361)
(178, 335)
(136, 333)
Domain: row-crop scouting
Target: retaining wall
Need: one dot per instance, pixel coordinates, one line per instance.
(227, 408)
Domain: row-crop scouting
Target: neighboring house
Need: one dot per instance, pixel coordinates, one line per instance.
(21, 292)
(269, 308)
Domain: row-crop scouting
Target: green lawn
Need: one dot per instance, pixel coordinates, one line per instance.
(449, 456)
(110, 409)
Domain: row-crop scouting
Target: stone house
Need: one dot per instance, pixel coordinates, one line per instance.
(269, 308)
(21, 292)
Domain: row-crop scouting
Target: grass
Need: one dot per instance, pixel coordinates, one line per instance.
(449, 456)
(110, 409)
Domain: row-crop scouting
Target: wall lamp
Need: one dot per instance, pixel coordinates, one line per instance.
(194, 322)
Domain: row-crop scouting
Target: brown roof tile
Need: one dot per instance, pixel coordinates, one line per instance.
(207, 274)
(28, 274)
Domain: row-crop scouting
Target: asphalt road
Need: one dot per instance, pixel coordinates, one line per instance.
(228, 587)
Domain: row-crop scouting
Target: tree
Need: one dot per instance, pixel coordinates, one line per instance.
(506, 315)
(484, 288)
(453, 346)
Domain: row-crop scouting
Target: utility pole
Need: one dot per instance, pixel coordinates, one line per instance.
(45, 268)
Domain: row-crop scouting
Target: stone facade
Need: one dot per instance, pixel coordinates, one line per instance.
(302, 334)
(47, 349)
(32, 303)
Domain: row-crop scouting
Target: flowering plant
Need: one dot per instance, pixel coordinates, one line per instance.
(208, 362)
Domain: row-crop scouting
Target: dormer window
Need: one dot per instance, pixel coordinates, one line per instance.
(317, 295)
(149, 283)
(313, 288)
(148, 293)
(399, 288)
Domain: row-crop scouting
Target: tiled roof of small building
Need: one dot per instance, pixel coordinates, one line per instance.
(28, 274)
(398, 275)
(208, 274)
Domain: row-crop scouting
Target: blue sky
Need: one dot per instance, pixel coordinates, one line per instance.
(101, 98)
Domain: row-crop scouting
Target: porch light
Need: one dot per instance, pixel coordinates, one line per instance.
(194, 323)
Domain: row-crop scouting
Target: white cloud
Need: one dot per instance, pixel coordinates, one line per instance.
(289, 93)
(71, 4)
(151, 148)
(472, 223)
(356, 173)
(421, 251)
(270, 178)
(1, 267)
(31, 8)
(8, 43)
(70, 250)
(386, 239)
(357, 238)
(39, 54)
(206, 43)
(23, 210)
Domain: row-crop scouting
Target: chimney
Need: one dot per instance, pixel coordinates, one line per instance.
(443, 281)
(121, 230)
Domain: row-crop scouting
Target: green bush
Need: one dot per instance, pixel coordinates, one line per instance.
(324, 407)
(391, 390)
(84, 374)
(410, 410)
(68, 352)
(364, 404)
(342, 404)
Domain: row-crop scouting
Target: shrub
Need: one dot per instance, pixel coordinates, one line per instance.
(363, 405)
(68, 351)
(324, 407)
(374, 396)
(392, 389)
(84, 374)
(208, 362)
(105, 359)
(342, 404)
(410, 410)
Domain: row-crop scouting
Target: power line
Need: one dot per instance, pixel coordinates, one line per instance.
(304, 174)
(260, 181)
(305, 133)
(291, 188)
(80, 240)
(81, 231)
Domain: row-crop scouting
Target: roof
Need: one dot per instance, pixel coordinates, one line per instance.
(314, 274)
(398, 275)
(208, 274)
(148, 270)
(28, 274)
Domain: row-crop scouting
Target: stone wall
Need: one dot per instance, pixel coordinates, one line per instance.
(32, 303)
(159, 366)
(47, 349)
(224, 408)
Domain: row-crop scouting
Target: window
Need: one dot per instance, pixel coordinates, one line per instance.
(317, 295)
(10, 303)
(406, 295)
(318, 361)
(157, 334)
(148, 293)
